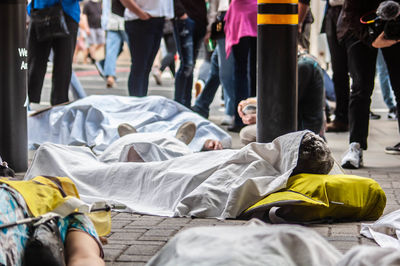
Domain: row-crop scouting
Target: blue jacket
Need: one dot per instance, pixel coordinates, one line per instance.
(70, 7)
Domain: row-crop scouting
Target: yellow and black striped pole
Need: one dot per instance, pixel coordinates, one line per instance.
(277, 68)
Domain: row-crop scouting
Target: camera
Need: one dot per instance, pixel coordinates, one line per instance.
(388, 20)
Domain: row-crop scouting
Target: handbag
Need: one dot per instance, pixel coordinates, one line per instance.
(217, 27)
(49, 23)
(44, 246)
(117, 8)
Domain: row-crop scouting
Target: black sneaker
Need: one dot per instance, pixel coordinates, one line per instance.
(392, 115)
(395, 150)
(374, 116)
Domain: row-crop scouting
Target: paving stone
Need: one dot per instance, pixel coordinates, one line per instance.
(174, 221)
(385, 185)
(134, 258)
(126, 235)
(147, 221)
(396, 184)
(155, 238)
(343, 246)
(111, 254)
(136, 242)
(130, 230)
(368, 242)
(345, 229)
(158, 232)
(119, 223)
(322, 230)
(148, 250)
(114, 246)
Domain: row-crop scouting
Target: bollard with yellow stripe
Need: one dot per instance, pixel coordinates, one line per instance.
(277, 68)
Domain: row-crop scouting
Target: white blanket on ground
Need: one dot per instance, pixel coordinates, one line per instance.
(151, 147)
(218, 184)
(385, 231)
(93, 121)
(264, 245)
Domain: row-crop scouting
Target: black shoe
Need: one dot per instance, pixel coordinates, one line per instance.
(235, 128)
(374, 116)
(393, 150)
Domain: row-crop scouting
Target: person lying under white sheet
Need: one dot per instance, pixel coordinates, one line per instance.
(215, 184)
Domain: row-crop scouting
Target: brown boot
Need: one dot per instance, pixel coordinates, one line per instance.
(337, 126)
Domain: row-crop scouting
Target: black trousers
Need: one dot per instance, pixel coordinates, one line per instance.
(362, 64)
(340, 70)
(38, 55)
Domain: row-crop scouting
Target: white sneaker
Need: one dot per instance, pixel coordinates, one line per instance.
(353, 159)
(228, 120)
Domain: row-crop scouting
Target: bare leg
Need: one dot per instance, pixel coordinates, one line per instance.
(82, 249)
(133, 156)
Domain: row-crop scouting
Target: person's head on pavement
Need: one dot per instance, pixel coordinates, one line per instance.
(314, 156)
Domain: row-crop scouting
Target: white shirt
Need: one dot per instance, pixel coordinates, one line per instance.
(156, 8)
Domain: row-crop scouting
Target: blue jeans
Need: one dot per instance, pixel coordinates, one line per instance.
(76, 87)
(221, 72)
(144, 42)
(384, 81)
(114, 42)
(188, 36)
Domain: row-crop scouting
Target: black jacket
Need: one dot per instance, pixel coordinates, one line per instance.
(195, 9)
(349, 20)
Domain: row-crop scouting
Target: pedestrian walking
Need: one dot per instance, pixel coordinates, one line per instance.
(144, 22)
(39, 50)
(189, 30)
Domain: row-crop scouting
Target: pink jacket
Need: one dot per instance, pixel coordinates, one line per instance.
(240, 21)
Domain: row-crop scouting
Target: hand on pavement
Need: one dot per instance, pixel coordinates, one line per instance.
(211, 144)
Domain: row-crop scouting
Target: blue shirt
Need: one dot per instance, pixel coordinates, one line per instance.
(70, 7)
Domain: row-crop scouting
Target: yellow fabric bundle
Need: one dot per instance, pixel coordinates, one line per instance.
(311, 197)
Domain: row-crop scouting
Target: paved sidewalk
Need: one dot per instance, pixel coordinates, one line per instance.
(136, 238)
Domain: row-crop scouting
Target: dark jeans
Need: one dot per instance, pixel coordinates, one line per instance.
(245, 81)
(169, 58)
(362, 63)
(340, 70)
(38, 55)
(311, 95)
(188, 36)
(144, 42)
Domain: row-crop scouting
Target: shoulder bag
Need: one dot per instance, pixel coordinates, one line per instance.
(49, 23)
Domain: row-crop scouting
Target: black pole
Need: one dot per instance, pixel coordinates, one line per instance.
(277, 68)
(13, 76)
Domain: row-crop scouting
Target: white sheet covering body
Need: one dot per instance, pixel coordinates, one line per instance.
(219, 184)
(385, 231)
(93, 121)
(265, 245)
(151, 147)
